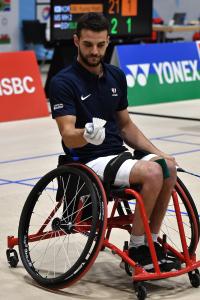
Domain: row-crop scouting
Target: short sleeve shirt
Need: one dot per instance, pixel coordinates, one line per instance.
(75, 91)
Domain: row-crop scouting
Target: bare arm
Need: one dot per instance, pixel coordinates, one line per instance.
(133, 136)
(72, 137)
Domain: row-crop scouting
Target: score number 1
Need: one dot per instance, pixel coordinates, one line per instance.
(114, 25)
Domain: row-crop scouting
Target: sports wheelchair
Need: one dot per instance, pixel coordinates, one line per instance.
(64, 225)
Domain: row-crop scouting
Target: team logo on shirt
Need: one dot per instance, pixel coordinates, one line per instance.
(114, 92)
(58, 106)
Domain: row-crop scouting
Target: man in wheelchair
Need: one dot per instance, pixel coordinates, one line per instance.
(89, 103)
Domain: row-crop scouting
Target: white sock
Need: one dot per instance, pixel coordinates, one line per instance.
(136, 241)
(154, 238)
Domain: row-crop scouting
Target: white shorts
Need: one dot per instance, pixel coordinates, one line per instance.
(122, 177)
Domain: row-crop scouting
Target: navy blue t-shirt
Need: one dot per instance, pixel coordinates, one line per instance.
(75, 91)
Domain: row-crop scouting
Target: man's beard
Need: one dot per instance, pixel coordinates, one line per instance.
(87, 62)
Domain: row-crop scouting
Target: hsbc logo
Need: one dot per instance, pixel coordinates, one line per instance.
(16, 86)
(167, 72)
(21, 92)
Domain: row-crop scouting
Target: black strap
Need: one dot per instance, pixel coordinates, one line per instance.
(139, 154)
(112, 168)
(64, 159)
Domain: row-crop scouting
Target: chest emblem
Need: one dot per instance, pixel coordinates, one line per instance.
(114, 92)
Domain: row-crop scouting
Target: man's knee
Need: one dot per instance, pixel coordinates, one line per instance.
(168, 169)
(147, 172)
(153, 174)
(172, 171)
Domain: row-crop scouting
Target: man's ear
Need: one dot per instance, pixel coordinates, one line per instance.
(76, 40)
(108, 41)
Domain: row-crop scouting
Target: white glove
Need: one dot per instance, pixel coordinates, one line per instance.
(94, 134)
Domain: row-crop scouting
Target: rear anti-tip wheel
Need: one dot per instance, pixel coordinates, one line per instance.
(194, 278)
(140, 290)
(12, 257)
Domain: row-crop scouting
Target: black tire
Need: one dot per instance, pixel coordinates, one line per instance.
(60, 237)
(140, 290)
(190, 220)
(169, 226)
(194, 278)
(192, 212)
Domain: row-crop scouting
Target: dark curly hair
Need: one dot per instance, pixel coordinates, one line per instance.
(92, 21)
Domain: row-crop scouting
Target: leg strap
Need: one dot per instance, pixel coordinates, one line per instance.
(165, 169)
(112, 168)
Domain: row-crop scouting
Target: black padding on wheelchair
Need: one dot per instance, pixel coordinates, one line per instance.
(64, 159)
(119, 192)
(112, 168)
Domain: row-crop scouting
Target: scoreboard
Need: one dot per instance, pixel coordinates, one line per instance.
(127, 18)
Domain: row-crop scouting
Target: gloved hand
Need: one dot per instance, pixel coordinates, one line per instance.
(94, 134)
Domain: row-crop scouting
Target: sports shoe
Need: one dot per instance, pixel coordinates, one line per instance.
(142, 256)
(166, 263)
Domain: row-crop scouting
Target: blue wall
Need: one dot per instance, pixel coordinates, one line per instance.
(26, 9)
(26, 12)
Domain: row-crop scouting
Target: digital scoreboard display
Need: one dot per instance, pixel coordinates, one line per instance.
(127, 18)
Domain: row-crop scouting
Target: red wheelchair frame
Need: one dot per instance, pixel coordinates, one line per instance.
(98, 239)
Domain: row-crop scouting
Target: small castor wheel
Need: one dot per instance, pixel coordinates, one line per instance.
(140, 290)
(194, 278)
(12, 257)
(127, 267)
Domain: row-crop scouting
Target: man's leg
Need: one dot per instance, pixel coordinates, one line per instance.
(149, 175)
(160, 208)
(157, 216)
(156, 192)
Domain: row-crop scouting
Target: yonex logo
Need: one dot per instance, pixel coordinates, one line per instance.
(139, 74)
(166, 72)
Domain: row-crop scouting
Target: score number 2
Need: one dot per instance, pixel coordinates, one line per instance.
(114, 25)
